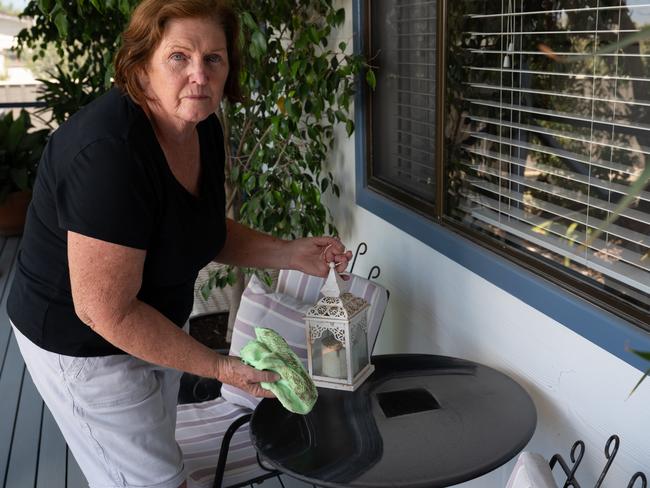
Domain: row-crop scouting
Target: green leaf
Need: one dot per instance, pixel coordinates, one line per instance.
(125, 7)
(45, 6)
(260, 41)
(340, 16)
(61, 22)
(642, 354)
(247, 18)
(283, 68)
(16, 131)
(293, 109)
(349, 127)
(324, 184)
(343, 46)
(371, 79)
(312, 32)
(295, 67)
(97, 4)
(206, 290)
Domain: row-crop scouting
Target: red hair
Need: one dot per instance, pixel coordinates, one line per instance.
(147, 27)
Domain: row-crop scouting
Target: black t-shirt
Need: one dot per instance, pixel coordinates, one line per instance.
(104, 175)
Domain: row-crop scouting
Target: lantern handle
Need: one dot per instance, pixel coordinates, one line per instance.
(357, 253)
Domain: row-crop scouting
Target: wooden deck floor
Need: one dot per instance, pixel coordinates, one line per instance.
(33, 453)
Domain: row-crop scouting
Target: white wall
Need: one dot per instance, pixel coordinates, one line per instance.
(437, 306)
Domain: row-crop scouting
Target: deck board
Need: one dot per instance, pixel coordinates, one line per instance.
(11, 380)
(8, 251)
(23, 458)
(51, 472)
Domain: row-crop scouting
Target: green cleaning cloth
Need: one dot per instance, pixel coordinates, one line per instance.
(295, 389)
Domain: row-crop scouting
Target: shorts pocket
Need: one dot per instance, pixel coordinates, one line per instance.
(114, 381)
(75, 368)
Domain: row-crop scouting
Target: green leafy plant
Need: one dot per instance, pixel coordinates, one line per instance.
(297, 88)
(85, 36)
(20, 151)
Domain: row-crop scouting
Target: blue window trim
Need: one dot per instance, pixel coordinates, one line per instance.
(602, 328)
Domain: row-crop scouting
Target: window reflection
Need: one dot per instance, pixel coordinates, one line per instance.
(549, 129)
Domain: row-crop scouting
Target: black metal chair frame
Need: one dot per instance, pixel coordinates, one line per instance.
(223, 456)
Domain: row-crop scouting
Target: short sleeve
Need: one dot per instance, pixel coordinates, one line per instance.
(104, 193)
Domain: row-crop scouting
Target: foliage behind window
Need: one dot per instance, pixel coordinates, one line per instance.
(544, 148)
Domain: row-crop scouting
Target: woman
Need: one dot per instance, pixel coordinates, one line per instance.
(128, 206)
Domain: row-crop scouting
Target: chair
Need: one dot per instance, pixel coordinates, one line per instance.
(213, 435)
(531, 471)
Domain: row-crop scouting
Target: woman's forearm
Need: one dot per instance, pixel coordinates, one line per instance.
(252, 249)
(145, 333)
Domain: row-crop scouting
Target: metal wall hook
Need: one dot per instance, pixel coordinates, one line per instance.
(638, 476)
(614, 439)
(576, 458)
(362, 248)
(375, 271)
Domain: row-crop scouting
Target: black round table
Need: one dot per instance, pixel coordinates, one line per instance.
(418, 421)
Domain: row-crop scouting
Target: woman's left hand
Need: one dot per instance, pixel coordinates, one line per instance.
(311, 255)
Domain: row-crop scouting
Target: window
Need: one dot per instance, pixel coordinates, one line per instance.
(403, 107)
(544, 130)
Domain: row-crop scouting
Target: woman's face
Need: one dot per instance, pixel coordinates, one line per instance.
(186, 74)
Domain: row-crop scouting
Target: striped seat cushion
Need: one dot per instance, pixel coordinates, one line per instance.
(284, 310)
(531, 471)
(260, 307)
(199, 430)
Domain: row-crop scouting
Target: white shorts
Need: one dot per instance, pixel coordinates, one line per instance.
(117, 414)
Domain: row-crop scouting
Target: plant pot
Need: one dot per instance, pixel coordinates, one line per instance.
(13, 212)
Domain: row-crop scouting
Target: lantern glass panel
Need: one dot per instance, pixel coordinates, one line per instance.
(329, 357)
(359, 349)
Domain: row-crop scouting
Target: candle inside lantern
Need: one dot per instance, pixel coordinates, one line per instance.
(333, 357)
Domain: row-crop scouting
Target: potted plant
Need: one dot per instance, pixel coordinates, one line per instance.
(20, 152)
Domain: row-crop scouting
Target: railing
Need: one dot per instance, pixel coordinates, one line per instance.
(40, 116)
(22, 105)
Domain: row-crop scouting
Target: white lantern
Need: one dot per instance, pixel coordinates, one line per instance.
(337, 337)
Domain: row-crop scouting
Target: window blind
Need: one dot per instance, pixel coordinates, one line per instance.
(403, 34)
(549, 128)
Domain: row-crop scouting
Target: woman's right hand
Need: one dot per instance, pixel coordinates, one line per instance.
(233, 371)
